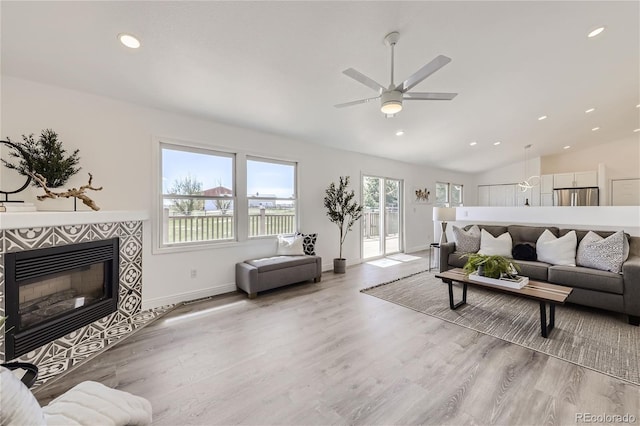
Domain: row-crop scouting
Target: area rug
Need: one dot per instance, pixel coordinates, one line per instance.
(600, 340)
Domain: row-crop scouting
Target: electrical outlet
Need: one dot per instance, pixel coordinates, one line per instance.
(194, 273)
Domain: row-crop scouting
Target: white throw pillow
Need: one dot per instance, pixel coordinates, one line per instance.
(557, 251)
(605, 254)
(498, 246)
(290, 246)
(18, 405)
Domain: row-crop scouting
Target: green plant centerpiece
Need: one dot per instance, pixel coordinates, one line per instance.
(491, 266)
(344, 211)
(47, 157)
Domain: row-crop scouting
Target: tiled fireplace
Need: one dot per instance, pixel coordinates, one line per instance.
(34, 236)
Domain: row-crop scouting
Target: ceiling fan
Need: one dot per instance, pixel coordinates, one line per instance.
(391, 98)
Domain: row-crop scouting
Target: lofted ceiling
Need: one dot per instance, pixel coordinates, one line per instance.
(277, 67)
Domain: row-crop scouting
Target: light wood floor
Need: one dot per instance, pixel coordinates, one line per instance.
(326, 354)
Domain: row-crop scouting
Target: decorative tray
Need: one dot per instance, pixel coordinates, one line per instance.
(518, 282)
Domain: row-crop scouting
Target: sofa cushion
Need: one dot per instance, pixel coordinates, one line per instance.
(592, 279)
(557, 251)
(605, 254)
(534, 270)
(467, 241)
(457, 259)
(278, 262)
(495, 230)
(528, 234)
(498, 246)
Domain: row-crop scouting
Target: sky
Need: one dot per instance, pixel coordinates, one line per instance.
(269, 179)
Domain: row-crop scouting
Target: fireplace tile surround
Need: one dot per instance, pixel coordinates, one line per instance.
(19, 232)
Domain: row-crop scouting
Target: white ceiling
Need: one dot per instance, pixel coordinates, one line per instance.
(277, 67)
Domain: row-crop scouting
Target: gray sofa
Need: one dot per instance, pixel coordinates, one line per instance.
(592, 287)
(253, 276)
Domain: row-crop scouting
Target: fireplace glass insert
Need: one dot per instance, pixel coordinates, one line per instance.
(53, 291)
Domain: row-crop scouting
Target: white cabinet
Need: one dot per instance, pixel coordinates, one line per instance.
(510, 195)
(483, 195)
(546, 199)
(546, 189)
(546, 184)
(497, 195)
(584, 179)
(500, 196)
(575, 180)
(563, 180)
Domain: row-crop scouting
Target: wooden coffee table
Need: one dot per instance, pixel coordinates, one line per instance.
(544, 293)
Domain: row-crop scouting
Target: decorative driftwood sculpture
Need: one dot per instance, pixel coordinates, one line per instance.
(73, 192)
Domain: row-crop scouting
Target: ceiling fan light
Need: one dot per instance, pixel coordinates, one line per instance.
(391, 102)
(391, 107)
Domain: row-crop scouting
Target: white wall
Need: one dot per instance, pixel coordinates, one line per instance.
(511, 173)
(621, 159)
(115, 142)
(603, 218)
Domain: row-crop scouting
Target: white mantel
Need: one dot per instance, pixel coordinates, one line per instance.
(17, 220)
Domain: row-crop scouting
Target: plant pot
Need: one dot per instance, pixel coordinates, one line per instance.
(339, 266)
(481, 270)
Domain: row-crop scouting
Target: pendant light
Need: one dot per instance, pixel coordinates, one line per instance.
(531, 181)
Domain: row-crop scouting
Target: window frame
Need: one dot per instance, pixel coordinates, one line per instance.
(295, 199)
(449, 200)
(452, 184)
(239, 187)
(159, 245)
(448, 197)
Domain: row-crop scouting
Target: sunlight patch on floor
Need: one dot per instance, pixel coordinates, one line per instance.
(384, 263)
(403, 257)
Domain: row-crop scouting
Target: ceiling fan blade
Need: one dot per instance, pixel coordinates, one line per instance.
(359, 101)
(358, 76)
(424, 72)
(431, 96)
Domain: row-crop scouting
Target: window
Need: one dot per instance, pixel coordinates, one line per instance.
(271, 196)
(442, 193)
(198, 195)
(449, 194)
(456, 194)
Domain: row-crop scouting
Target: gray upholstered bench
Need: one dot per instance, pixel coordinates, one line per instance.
(257, 275)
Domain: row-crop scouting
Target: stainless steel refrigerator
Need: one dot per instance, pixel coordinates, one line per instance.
(576, 197)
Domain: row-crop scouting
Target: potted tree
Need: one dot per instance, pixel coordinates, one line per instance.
(344, 211)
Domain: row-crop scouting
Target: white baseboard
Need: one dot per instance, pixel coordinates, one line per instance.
(417, 248)
(191, 295)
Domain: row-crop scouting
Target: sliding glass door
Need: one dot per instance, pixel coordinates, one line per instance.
(382, 216)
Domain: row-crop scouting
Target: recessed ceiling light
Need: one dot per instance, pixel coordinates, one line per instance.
(496, 143)
(567, 147)
(474, 143)
(595, 128)
(589, 110)
(400, 133)
(542, 117)
(638, 106)
(128, 40)
(595, 32)
(636, 130)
